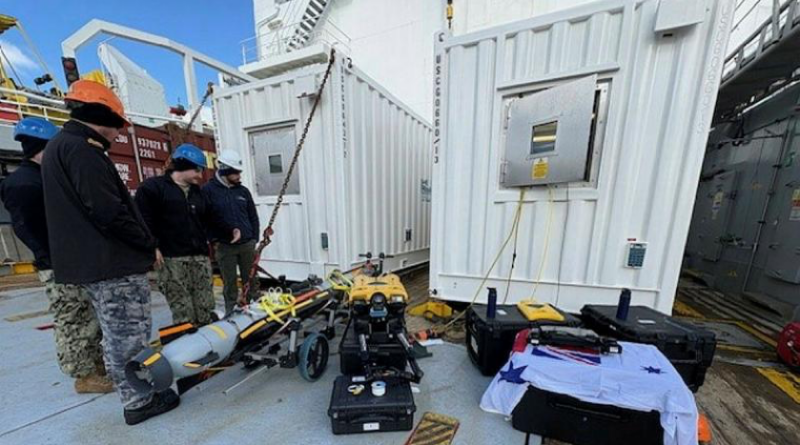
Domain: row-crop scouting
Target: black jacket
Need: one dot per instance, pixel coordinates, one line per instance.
(23, 196)
(96, 232)
(177, 221)
(231, 208)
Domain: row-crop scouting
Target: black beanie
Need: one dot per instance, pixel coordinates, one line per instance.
(96, 114)
(31, 146)
(182, 165)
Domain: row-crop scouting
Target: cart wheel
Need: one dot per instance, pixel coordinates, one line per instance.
(313, 357)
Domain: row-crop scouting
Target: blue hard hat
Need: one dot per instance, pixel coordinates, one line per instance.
(35, 127)
(190, 153)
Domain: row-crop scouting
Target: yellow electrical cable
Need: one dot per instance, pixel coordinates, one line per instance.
(546, 245)
(494, 263)
(515, 229)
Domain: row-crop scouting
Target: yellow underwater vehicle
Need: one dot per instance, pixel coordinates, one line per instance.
(375, 342)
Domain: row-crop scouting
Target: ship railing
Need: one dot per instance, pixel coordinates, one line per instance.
(783, 19)
(16, 105)
(290, 38)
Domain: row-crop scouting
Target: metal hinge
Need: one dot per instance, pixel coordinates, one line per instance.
(503, 171)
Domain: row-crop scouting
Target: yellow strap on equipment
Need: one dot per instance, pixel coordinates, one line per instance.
(283, 302)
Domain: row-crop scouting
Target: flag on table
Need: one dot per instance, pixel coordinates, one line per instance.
(640, 378)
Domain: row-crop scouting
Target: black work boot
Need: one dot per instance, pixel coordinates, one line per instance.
(162, 402)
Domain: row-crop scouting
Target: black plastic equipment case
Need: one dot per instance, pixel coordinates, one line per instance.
(489, 342)
(365, 413)
(567, 419)
(385, 354)
(689, 348)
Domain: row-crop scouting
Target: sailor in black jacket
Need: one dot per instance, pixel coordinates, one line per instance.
(236, 227)
(23, 197)
(98, 239)
(77, 334)
(175, 210)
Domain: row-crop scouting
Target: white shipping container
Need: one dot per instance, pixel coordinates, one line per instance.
(362, 183)
(625, 152)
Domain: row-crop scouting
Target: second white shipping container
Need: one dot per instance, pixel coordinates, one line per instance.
(600, 114)
(363, 180)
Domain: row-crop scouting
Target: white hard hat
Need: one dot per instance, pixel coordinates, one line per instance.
(230, 159)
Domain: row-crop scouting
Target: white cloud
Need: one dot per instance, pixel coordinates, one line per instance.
(17, 58)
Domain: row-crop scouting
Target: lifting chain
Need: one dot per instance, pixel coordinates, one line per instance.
(266, 237)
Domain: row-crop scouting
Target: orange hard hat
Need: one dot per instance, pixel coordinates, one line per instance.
(91, 92)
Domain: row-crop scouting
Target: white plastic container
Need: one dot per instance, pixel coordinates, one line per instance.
(657, 66)
(363, 180)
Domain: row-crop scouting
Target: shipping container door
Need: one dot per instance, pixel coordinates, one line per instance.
(717, 210)
(271, 150)
(783, 262)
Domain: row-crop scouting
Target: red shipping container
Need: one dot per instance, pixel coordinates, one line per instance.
(126, 167)
(151, 144)
(154, 147)
(152, 168)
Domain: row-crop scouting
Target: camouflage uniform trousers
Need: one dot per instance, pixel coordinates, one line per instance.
(77, 332)
(187, 284)
(123, 310)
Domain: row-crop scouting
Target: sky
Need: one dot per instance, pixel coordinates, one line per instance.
(213, 27)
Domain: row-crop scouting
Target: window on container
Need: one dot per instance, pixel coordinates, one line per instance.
(543, 137)
(536, 135)
(269, 148)
(275, 164)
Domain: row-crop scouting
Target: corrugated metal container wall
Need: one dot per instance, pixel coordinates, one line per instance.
(362, 179)
(656, 94)
(744, 232)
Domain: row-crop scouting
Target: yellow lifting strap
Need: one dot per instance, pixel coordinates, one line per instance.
(272, 303)
(7, 22)
(339, 281)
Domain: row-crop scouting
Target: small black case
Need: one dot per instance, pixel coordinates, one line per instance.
(366, 413)
(489, 342)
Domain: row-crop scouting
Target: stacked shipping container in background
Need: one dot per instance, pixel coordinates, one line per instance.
(362, 183)
(745, 233)
(141, 152)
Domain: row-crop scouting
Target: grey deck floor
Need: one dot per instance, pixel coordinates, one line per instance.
(39, 405)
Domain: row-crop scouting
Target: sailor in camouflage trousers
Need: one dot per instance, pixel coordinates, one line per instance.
(186, 283)
(123, 310)
(99, 241)
(175, 210)
(77, 331)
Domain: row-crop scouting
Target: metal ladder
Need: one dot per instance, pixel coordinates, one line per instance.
(304, 32)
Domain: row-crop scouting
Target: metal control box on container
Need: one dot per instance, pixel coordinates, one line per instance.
(362, 183)
(600, 114)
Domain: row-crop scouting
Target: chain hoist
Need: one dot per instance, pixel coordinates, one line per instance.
(266, 237)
